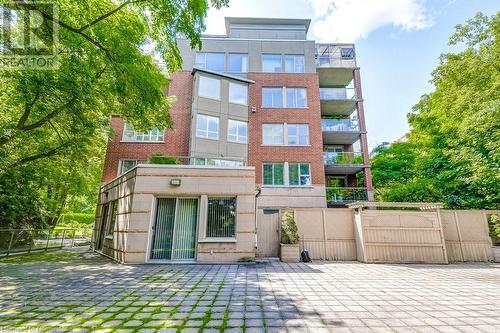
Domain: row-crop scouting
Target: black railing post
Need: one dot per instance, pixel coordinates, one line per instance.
(10, 242)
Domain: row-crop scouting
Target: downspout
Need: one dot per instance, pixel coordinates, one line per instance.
(258, 189)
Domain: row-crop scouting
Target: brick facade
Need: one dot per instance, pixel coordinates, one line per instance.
(258, 154)
(176, 140)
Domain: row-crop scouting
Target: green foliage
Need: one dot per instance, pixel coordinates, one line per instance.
(452, 154)
(494, 225)
(76, 220)
(54, 124)
(161, 159)
(289, 232)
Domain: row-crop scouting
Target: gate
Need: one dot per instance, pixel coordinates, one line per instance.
(268, 242)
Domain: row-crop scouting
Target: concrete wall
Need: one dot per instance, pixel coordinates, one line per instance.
(222, 109)
(137, 191)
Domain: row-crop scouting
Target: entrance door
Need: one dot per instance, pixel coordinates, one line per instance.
(174, 231)
(268, 243)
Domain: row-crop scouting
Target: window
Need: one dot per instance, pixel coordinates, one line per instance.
(217, 162)
(299, 174)
(238, 93)
(154, 135)
(126, 165)
(298, 134)
(270, 211)
(209, 87)
(221, 217)
(112, 221)
(271, 63)
(272, 97)
(347, 53)
(294, 63)
(210, 61)
(296, 98)
(207, 127)
(272, 134)
(237, 63)
(237, 131)
(273, 174)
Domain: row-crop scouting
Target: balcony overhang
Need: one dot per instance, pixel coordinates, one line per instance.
(340, 137)
(344, 169)
(335, 76)
(338, 106)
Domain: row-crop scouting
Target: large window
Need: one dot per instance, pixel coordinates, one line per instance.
(272, 97)
(299, 174)
(154, 135)
(237, 63)
(112, 221)
(209, 87)
(238, 93)
(126, 165)
(272, 134)
(271, 63)
(210, 61)
(237, 131)
(274, 174)
(207, 127)
(218, 162)
(296, 98)
(294, 63)
(221, 217)
(298, 134)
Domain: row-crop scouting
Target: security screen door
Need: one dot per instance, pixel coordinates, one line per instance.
(174, 231)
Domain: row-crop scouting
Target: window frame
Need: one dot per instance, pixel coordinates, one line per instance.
(299, 174)
(282, 135)
(229, 62)
(234, 214)
(272, 54)
(207, 127)
(136, 135)
(204, 65)
(296, 94)
(294, 65)
(233, 84)
(273, 164)
(206, 77)
(273, 106)
(297, 135)
(238, 123)
(206, 163)
(120, 165)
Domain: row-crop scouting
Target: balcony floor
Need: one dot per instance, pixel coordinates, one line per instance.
(340, 137)
(344, 107)
(335, 76)
(344, 169)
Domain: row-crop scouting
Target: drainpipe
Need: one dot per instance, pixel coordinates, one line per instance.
(258, 189)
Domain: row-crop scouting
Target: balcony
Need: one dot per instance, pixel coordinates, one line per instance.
(339, 196)
(339, 131)
(335, 63)
(345, 163)
(338, 101)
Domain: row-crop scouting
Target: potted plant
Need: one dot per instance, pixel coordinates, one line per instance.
(290, 250)
(494, 225)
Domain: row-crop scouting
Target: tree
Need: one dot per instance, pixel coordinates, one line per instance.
(58, 120)
(453, 151)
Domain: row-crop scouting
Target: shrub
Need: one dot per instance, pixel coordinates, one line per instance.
(494, 224)
(76, 220)
(289, 232)
(162, 159)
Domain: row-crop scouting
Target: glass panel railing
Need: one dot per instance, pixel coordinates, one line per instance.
(335, 55)
(334, 158)
(339, 125)
(328, 94)
(345, 194)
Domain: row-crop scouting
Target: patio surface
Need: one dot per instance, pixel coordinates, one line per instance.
(81, 291)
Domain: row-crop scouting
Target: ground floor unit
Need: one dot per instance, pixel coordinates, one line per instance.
(87, 292)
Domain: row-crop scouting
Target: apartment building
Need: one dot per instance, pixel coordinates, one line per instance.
(264, 95)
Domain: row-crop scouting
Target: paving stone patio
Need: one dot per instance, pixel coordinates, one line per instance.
(88, 293)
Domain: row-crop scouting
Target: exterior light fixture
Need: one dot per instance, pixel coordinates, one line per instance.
(175, 182)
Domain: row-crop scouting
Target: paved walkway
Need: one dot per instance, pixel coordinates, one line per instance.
(86, 292)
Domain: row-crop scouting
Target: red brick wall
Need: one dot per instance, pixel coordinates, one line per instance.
(176, 140)
(257, 154)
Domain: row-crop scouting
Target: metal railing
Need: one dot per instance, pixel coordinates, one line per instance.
(34, 240)
(339, 125)
(339, 195)
(331, 94)
(346, 158)
(335, 55)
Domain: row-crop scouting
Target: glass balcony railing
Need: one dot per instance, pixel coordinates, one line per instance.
(331, 94)
(335, 55)
(339, 125)
(345, 158)
(338, 195)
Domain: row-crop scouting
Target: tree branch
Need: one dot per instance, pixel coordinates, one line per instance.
(38, 156)
(102, 17)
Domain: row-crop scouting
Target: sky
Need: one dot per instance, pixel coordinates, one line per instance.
(398, 43)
